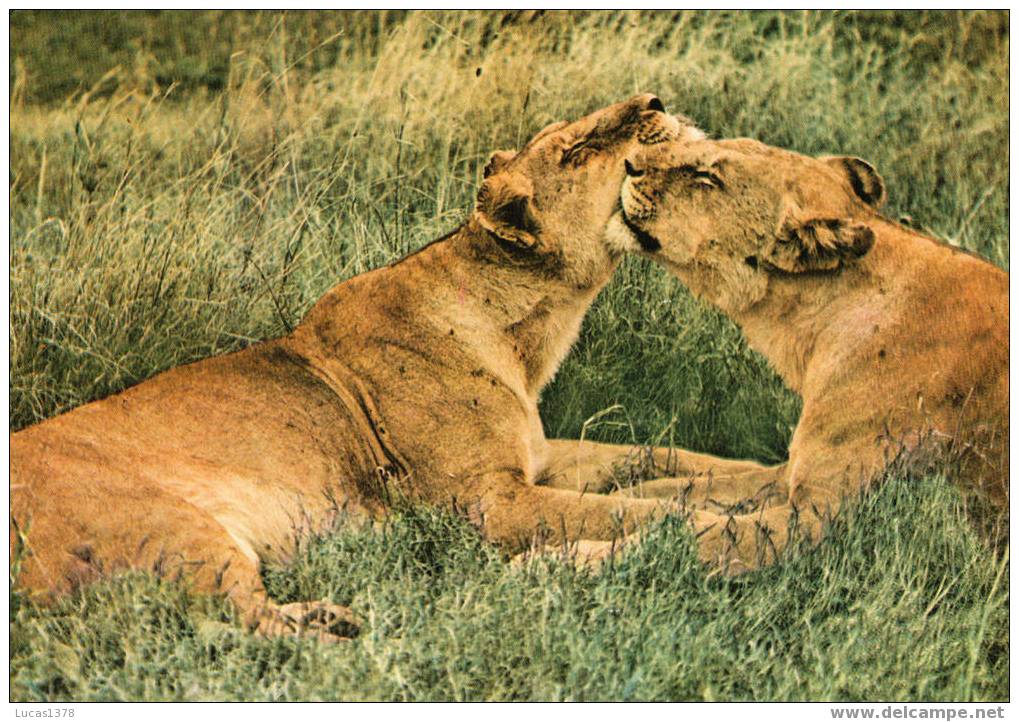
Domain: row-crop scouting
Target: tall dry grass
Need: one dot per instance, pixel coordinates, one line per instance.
(151, 226)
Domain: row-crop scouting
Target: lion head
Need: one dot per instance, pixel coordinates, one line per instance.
(548, 204)
(729, 216)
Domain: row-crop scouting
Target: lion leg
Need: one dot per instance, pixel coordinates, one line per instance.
(734, 544)
(596, 467)
(514, 513)
(757, 488)
(321, 620)
(232, 571)
(586, 465)
(241, 581)
(814, 484)
(80, 540)
(589, 553)
(212, 563)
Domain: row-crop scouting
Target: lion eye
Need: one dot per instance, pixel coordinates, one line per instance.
(577, 152)
(703, 176)
(710, 179)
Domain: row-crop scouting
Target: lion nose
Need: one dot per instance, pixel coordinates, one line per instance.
(632, 170)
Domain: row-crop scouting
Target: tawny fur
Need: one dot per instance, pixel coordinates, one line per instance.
(417, 381)
(893, 339)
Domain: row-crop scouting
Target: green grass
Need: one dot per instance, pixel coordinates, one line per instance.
(182, 185)
(901, 603)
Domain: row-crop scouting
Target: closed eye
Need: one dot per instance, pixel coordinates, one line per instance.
(578, 151)
(702, 176)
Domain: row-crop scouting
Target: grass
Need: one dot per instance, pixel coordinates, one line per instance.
(901, 603)
(183, 185)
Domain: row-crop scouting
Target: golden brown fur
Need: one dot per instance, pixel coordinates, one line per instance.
(418, 381)
(892, 339)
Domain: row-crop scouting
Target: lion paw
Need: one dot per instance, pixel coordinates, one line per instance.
(323, 621)
(585, 552)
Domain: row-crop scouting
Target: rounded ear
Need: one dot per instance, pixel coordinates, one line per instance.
(818, 245)
(504, 209)
(862, 177)
(498, 161)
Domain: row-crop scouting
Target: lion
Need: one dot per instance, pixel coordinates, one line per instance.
(418, 381)
(895, 341)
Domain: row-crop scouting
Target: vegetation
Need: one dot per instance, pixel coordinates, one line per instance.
(184, 184)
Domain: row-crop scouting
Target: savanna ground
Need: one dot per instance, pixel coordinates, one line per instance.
(183, 185)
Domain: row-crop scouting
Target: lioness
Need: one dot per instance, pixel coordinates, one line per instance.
(891, 337)
(419, 380)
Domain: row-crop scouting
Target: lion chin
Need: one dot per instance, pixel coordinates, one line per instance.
(618, 237)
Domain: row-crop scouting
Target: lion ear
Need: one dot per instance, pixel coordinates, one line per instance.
(862, 177)
(498, 161)
(818, 245)
(504, 209)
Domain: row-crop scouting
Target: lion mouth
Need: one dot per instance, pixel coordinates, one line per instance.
(629, 204)
(648, 243)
